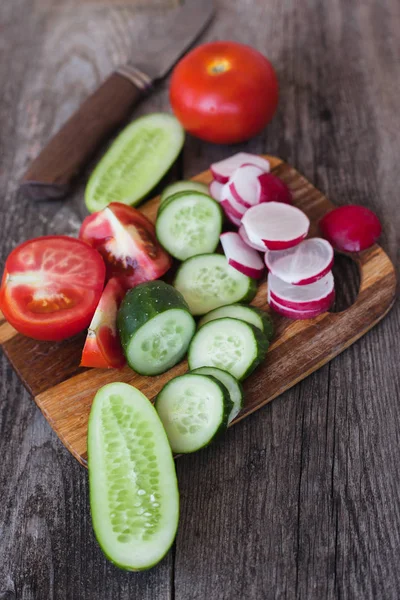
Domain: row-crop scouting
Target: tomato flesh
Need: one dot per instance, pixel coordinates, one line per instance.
(51, 286)
(102, 347)
(127, 241)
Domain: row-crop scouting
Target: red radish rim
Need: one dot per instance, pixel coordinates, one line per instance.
(249, 271)
(277, 182)
(249, 176)
(240, 256)
(275, 245)
(297, 315)
(228, 208)
(221, 172)
(286, 272)
(324, 304)
(304, 297)
(242, 232)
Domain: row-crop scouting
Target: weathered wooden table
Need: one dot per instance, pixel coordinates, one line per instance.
(300, 500)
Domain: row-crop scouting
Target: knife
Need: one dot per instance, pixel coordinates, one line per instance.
(50, 175)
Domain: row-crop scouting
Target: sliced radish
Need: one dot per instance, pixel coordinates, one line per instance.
(240, 256)
(299, 315)
(351, 228)
(230, 205)
(278, 225)
(305, 263)
(314, 296)
(223, 169)
(242, 232)
(245, 186)
(273, 189)
(215, 189)
(232, 218)
(231, 210)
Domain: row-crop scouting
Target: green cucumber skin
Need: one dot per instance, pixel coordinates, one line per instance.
(267, 325)
(142, 303)
(91, 425)
(200, 187)
(228, 404)
(201, 371)
(173, 197)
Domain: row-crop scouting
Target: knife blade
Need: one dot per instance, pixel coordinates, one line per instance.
(53, 171)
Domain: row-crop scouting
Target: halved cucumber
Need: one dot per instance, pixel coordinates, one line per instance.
(257, 317)
(189, 223)
(207, 281)
(228, 344)
(135, 162)
(134, 496)
(232, 385)
(194, 409)
(155, 327)
(183, 186)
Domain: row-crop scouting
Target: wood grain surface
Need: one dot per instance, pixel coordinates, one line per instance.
(301, 500)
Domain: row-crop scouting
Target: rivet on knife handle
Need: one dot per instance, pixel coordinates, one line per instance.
(67, 153)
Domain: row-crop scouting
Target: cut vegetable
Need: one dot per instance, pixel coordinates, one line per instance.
(228, 344)
(155, 327)
(314, 296)
(189, 224)
(223, 169)
(290, 313)
(232, 385)
(135, 162)
(134, 498)
(240, 256)
(305, 263)
(278, 225)
(183, 186)
(250, 314)
(260, 246)
(208, 281)
(194, 410)
(215, 190)
(273, 189)
(244, 185)
(351, 228)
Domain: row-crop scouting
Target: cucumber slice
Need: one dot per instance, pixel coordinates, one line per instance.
(230, 345)
(155, 327)
(232, 385)
(134, 496)
(207, 281)
(183, 186)
(250, 314)
(135, 162)
(189, 223)
(194, 410)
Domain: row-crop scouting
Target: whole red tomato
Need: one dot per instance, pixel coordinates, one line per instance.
(224, 92)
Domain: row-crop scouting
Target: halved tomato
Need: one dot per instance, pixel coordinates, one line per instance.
(127, 241)
(51, 287)
(102, 347)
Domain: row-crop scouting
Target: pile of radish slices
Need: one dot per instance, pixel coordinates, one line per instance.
(259, 204)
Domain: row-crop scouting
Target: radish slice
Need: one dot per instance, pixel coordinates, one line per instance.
(231, 210)
(314, 296)
(273, 189)
(244, 185)
(242, 232)
(230, 205)
(215, 190)
(300, 315)
(232, 218)
(351, 228)
(223, 169)
(305, 263)
(278, 225)
(240, 256)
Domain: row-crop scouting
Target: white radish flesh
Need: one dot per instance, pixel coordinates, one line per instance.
(245, 185)
(240, 256)
(303, 264)
(242, 232)
(278, 225)
(314, 296)
(215, 190)
(223, 169)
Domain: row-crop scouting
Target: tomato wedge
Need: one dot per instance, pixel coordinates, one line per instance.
(102, 347)
(127, 241)
(51, 287)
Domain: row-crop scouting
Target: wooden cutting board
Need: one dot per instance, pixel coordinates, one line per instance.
(64, 391)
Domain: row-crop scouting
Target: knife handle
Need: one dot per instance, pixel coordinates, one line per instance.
(52, 172)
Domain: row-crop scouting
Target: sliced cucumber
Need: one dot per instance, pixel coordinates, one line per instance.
(135, 162)
(232, 385)
(155, 327)
(183, 186)
(194, 409)
(230, 345)
(134, 496)
(207, 281)
(257, 317)
(189, 223)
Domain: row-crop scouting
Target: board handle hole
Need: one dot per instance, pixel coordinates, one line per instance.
(347, 282)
